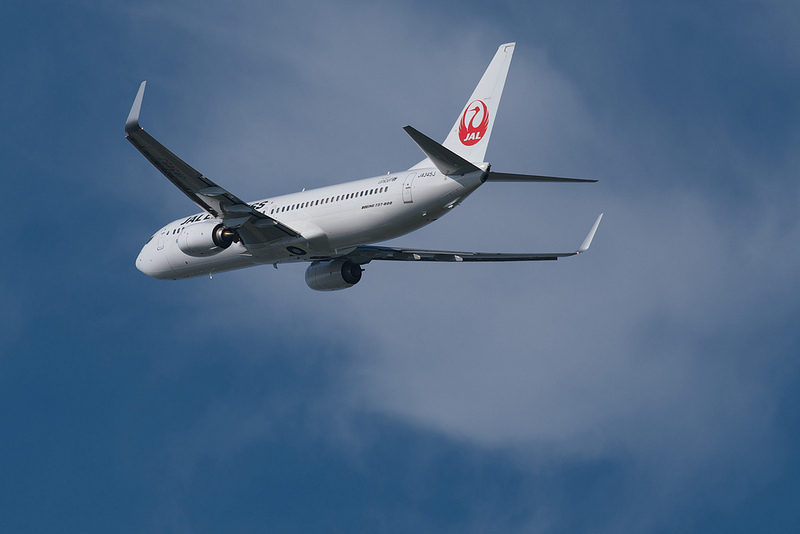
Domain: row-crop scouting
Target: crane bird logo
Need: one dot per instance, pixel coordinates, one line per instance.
(473, 124)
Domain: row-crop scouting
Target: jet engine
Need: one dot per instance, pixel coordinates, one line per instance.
(332, 275)
(205, 239)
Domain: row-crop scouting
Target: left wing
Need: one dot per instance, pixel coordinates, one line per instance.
(254, 227)
(366, 253)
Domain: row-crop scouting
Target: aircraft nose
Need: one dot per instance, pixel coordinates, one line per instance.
(152, 264)
(143, 264)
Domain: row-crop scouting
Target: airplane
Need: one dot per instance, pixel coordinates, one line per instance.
(334, 228)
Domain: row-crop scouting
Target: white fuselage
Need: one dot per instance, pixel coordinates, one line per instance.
(332, 221)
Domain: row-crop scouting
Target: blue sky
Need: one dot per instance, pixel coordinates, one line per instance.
(647, 386)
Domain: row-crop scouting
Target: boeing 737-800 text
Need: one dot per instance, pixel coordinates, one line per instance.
(333, 227)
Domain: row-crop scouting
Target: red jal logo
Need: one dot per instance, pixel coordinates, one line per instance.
(473, 123)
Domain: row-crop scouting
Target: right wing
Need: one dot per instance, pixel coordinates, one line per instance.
(366, 253)
(255, 228)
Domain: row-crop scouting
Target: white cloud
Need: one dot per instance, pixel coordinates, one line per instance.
(551, 352)
(644, 349)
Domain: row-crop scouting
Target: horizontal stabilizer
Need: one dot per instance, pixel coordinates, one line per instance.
(506, 177)
(448, 162)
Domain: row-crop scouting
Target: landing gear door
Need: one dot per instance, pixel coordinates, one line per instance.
(407, 185)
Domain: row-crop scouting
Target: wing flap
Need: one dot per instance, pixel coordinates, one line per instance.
(367, 253)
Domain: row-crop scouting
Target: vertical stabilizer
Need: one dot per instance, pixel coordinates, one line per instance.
(469, 136)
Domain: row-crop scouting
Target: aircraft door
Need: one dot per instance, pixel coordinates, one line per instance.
(407, 188)
(162, 237)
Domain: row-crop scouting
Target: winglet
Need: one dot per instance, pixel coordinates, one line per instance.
(448, 162)
(588, 241)
(132, 124)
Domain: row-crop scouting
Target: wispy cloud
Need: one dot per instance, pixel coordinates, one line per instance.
(653, 352)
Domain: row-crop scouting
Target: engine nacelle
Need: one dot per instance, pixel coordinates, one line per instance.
(332, 275)
(205, 239)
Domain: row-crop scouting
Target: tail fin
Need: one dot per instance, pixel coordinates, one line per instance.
(469, 136)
